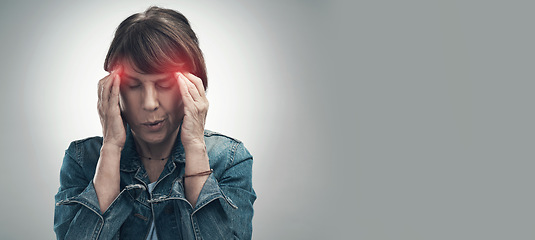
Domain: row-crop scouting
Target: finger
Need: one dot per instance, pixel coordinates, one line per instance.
(114, 98)
(106, 94)
(184, 92)
(198, 83)
(194, 92)
(99, 91)
(106, 87)
(100, 86)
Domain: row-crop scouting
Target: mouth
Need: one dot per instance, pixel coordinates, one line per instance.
(153, 125)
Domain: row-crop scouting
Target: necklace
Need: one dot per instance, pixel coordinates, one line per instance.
(152, 158)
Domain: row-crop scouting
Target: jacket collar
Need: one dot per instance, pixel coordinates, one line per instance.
(130, 160)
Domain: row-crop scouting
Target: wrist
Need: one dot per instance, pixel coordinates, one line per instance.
(195, 147)
(196, 159)
(108, 148)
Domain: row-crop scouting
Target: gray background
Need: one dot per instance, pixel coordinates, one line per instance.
(367, 120)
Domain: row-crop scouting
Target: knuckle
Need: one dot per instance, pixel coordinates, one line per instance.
(102, 81)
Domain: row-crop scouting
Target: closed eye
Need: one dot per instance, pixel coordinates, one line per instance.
(134, 85)
(131, 83)
(166, 84)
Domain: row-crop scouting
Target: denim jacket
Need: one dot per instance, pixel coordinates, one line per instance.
(224, 208)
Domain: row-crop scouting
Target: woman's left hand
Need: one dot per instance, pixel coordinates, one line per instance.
(192, 134)
(195, 110)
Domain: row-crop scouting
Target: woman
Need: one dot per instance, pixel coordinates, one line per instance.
(155, 173)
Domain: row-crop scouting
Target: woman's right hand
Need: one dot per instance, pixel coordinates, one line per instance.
(107, 176)
(113, 128)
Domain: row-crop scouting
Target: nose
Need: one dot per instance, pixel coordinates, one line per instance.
(150, 100)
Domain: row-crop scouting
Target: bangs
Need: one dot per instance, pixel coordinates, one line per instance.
(152, 51)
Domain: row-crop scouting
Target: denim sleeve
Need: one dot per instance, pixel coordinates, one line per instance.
(77, 212)
(233, 213)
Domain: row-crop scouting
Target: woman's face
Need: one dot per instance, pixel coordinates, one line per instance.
(151, 104)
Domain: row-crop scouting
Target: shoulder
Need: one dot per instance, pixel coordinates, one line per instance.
(215, 139)
(215, 136)
(80, 160)
(223, 147)
(84, 150)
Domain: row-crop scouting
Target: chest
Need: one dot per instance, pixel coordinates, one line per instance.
(154, 169)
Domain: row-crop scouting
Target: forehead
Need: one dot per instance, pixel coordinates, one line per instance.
(131, 72)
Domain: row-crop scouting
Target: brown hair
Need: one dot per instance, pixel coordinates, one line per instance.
(156, 41)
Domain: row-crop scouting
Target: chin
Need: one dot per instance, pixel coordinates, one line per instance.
(153, 139)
